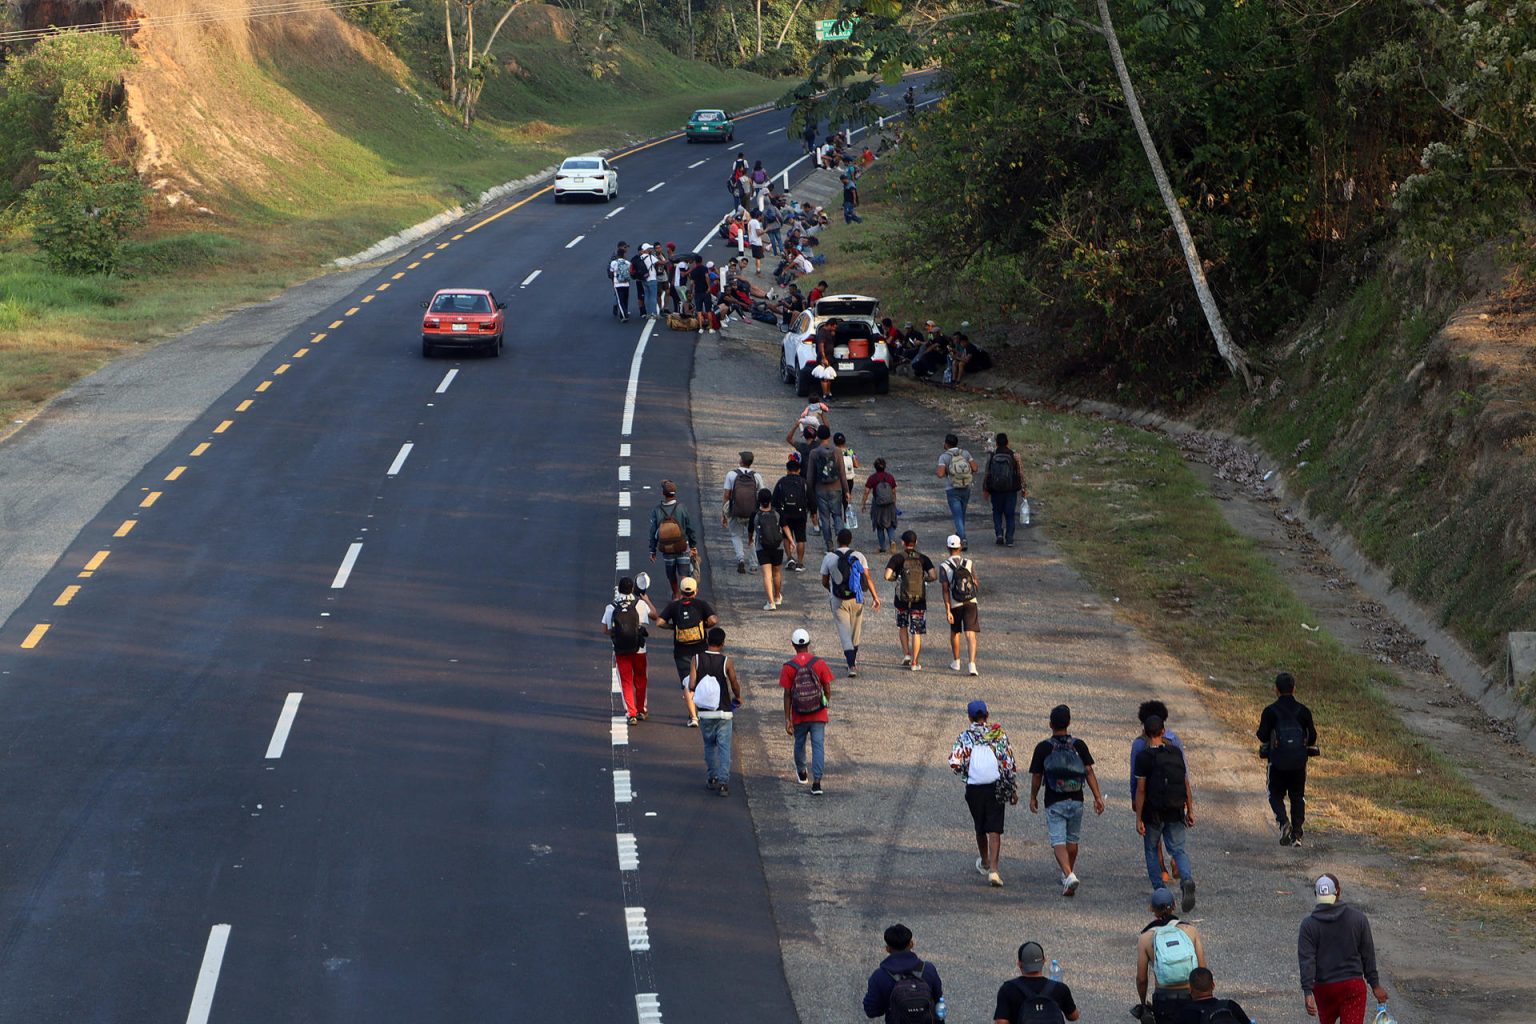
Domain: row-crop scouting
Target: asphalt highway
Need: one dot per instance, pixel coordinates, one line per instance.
(313, 722)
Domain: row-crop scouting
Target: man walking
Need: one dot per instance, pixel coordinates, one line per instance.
(1147, 709)
(736, 508)
(1203, 1006)
(623, 625)
(983, 757)
(912, 571)
(673, 537)
(1032, 996)
(689, 619)
(807, 684)
(1286, 738)
(898, 983)
(1004, 484)
(792, 501)
(957, 578)
(1337, 957)
(1062, 764)
(1166, 954)
(850, 201)
(1165, 807)
(711, 705)
(845, 575)
(957, 469)
(831, 486)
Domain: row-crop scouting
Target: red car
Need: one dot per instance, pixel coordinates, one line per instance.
(463, 318)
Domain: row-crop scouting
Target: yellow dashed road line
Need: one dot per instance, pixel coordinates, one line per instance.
(336, 323)
(96, 560)
(223, 426)
(398, 276)
(301, 353)
(282, 369)
(384, 287)
(443, 246)
(368, 298)
(428, 255)
(67, 595)
(176, 473)
(245, 405)
(412, 266)
(317, 338)
(263, 385)
(34, 636)
(200, 449)
(150, 499)
(126, 528)
(351, 311)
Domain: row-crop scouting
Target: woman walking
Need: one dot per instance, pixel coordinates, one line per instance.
(880, 503)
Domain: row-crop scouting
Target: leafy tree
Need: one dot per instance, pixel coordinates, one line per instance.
(82, 208)
(389, 22)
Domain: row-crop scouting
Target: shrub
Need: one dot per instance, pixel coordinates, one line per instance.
(82, 208)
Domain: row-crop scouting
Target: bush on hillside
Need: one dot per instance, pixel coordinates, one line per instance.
(82, 208)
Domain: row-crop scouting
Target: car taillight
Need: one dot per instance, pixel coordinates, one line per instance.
(488, 325)
(561, 177)
(434, 322)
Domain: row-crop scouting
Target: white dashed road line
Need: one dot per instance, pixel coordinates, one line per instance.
(447, 379)
(737, 146)
(639, 933)
(623, 792)
(623, 499)
(629, 852)
(394, 467)
(775, 131)
(284, 724)
(618, 732)
(529, 279)
(698, 163)
(648, 1007)
(623, 474)
(213, 961)
(624, 527)
(656, 186)
(346, 566)
(613, 213)
(624, 450)
(574, 242)
(621, 561)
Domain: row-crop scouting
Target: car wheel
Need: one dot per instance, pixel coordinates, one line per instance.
(883, 383)
(803, 383)
(559, 198)
(426, 349)
(494, 348)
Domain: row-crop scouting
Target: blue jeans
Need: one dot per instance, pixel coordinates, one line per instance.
(776, 239)
(817, 731)
(848, 215)
(717, 747)
(650, 297)
(959, 498)
(829, 514)
(1172, 835)
(885, 536)
(1005, 509)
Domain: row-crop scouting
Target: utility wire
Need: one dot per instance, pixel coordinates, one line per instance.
(201, 17)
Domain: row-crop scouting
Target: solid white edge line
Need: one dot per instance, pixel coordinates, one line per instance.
(634, 373)
(529, 279)
(447, 379)
(575, 241)
(284, 724)
(613, 213)
(347, 563)
(394, 467)
(208, 975)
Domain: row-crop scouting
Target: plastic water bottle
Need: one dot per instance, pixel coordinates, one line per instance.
(1384, 1015)
(941, 1011)
(1055, 973)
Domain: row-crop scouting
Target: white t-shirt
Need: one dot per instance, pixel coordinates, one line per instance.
(754, 232)
(984, 768)
(608, 620)
(619, 271)
(650, 266)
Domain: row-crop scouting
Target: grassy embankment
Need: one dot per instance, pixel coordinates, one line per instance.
(1136, 521)
(341, 154)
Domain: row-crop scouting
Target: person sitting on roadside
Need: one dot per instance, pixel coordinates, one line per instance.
(931, 358)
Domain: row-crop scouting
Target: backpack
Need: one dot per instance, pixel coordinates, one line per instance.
(962, 582)
(1064, 770)
(619, 273)
(770, 532)
(744, 494)
(806, 696)
(1002, 474)
(627, 635)
(914, 586)
(683, 635)
(709, 692)
(911, 999)
(1221, 1015)
(759, 177)
(793, 500)
(670, 538)
(1173, 955)
(959, 468)
(1165, 783)
(1042, 1008)
(885, 494)
(826, 468)
(637, 268)
(1288, 743)
(846, 586)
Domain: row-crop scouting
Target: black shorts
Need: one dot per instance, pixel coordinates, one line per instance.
(757, 252)
(967, 618)
(986, 809)
(774, 557)
(796, 526)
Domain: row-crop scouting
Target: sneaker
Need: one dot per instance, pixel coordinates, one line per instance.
(954, 666)
(701, 330)
(713, 783)
(981, 866)
(853, 672)
(741, 567)
(816, 788)
(693, 723)
(965, 545)
(1187, 890)
(778, 600)
(1069, 885)
(768, 607)
(723, 790)
(1000, 542)
(1285, 833)
(906, 659)
(973, 670)
(1009, 543)
(644, 715)
(634, 719)
(1296, 837)
(994, 879)
(916, 667)
(802, 776)
(799, 567)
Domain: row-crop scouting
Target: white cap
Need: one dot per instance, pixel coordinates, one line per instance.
(799, 637)
(645, 247)
(954, 542)
(710, 265)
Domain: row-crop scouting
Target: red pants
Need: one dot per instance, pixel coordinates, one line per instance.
(1340, 1002)
(632, 681)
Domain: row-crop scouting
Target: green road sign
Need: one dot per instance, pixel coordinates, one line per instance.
(827, 31)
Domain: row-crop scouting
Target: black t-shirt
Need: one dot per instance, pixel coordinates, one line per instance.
(1011, 997)
(685, 615)
(1198, 1011)
(699, 278)
(894, 566)
(1037, 767)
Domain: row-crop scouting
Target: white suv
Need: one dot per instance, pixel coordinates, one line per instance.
(859, 354)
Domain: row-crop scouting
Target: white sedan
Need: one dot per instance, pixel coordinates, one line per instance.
(859, 353)
(586, 176)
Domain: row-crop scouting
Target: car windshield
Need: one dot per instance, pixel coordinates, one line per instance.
(582, 165)
(461, 302)
(708, 115)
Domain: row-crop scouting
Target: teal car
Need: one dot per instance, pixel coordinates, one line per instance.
(710, 126)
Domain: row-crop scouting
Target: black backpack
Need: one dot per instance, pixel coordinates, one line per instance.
(1288, 742)
(637, 271)
(1042, 1008)
(1221, 1015)
(962, 583)
(792, 496)
(627, 632)
(1002, 474)
(770, 532)
(1165, 782)
(842, 584)
(911, 1000)
(826, 466)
